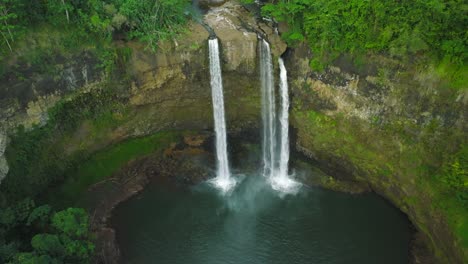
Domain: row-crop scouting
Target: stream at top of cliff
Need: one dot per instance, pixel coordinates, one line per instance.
(254, 224)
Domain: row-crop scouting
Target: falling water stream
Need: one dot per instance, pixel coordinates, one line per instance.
(223, 178)
(284, 121)
(268, 110)
(256, 223)
(275, 165)
(280, 179)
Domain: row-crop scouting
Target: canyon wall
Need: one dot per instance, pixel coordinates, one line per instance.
(383, 124)
(389, 126)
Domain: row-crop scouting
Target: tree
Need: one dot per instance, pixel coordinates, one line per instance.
(40, 216)
(402, 29)
(152, 21)
(48, 244)
(72, 222)
(31, 258)
(66, 11)
(56, 9)
(6, 21)
(62, 237)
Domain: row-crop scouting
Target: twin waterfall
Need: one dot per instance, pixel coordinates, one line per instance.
(275, 167)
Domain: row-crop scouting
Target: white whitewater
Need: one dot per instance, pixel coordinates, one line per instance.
(223, 178)
(280, 180)
(284, 120)
(275, 157)
(268, 110)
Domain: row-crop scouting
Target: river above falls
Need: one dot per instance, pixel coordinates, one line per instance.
(169, 224)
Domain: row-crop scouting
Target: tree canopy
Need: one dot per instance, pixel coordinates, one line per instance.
(402, 29)
(148, 20)
(30, 234)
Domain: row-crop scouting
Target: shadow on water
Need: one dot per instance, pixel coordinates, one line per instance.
(254, 224)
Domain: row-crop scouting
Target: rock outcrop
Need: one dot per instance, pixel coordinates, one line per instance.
(28, 92)
(238, 32)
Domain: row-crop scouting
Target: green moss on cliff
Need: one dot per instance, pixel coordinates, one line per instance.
(450, 186)
(345, 139)
(411, 171)
(38, 157)
(103, 164)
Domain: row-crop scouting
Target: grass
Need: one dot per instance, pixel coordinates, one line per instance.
(456, 76)
(105, 163)
(456, 214)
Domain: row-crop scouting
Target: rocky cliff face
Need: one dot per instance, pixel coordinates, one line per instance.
(169, 89)
(385, 124)
(27, 93)
(390, 126)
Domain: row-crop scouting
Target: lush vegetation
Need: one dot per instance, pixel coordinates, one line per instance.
(454, 176)
(35, 36)
(403, 29)
(408, 30)
(147, 20)
(105, 163)
(61, 179)
(39, 148)
(37, 234)
(440, 176)
(421, 32)
(452, 189)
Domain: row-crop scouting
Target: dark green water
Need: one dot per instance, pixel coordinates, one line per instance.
(254, 224)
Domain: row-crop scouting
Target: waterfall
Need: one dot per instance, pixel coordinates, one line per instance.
(275, 166)
(268, 110)
(280, 180)
(284, 121)
(223, 178)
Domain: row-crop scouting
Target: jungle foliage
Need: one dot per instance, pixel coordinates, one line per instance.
(38, 147)
(37, 234)
(147, 20)
(402, 29)
(454, 176)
